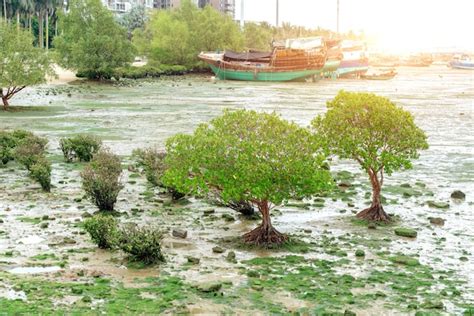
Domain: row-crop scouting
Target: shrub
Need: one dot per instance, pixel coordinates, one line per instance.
(81, 147)
(41, 172)
(142, 243)
(9, 140)
(29, 150)
(153, 163)
(101, 180)
(103, 230)
(148, 71)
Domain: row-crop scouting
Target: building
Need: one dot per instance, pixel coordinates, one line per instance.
(166, 4)
(122, 6)
(224, 6)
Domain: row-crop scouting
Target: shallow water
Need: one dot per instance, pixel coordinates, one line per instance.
(441, 100)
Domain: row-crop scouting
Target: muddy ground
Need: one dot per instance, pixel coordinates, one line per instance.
(48, 263)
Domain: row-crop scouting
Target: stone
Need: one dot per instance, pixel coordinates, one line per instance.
(179, 233)
(344, 184)
(44, 225)
(405, 260)
(437, 221)
(360, 253)
(193, 260)
(437, 204)
(405, 185)
(349, 313)
(253, 274)
(209, 211)
(405, 232)
(209, 287)
(458, 195)
(307, 231)
(228, 217)
(230, 256)
(1, 221)
(372, 226)
(218, 249)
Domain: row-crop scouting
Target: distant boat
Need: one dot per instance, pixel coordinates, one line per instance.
(290, 60)
(419, 60)
(462, 62)
(355, 60)
(380, 75)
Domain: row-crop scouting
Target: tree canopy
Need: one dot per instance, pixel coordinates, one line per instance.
(373, 131)
(91, 41)
(248, 156)
(176, 37)
(21, 64)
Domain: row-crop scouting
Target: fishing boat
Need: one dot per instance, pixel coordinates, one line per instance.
(462, 62)
(354, 60)
(295, 59)
(380, 75)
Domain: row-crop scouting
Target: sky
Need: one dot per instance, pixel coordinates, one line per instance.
(399, 26)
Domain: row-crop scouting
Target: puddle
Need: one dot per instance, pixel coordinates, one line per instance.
(34, 270)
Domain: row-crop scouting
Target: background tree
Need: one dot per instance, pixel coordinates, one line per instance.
(178, 36)
(91, 41)
(21, 64)
(376, 133)
(133, 19)
(258, 36)
(248, 156)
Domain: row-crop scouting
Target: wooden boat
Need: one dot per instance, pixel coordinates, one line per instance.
(297, 59)
(462, 62)
(354, 61)
(384, 75)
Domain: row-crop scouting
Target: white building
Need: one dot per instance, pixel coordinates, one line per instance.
(122, 6)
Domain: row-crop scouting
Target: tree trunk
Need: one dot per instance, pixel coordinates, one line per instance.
(375, 212)
(18, 21)
(5, 102)
(40, 30)
(5, 10)
(46, 22)
(265, 234)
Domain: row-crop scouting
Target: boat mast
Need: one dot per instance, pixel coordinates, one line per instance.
(277, 13)
(242, 14)
(337, 26)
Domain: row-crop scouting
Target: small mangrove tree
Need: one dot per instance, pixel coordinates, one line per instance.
(376, 133)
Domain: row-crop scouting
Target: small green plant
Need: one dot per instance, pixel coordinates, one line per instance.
(80, 147)
(29, 150)
(142, 243)
(103, 230)
(153, 163)
(101, 180)
(41, 172)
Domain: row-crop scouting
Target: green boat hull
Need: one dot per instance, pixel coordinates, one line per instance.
(230, 74)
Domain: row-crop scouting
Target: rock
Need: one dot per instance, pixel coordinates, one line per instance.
(96, 274)
(432, 305)
(209, 211)
(228, 217)
(438, 204)
(405, 185)
(350, 204)
(307, 231)
(86, 299)
(76, 290)
(193, 260)
(231, 256)
(253, 274)
(405, 232)
(349, 313)
(405, 260)
(344, 184)
(360, 253)
(218, 249)
(209, 287)
(179, 233)
(372, 226)
(458, 195)
(463, 258)
(437, 221)
(1, 221)
(44, 225)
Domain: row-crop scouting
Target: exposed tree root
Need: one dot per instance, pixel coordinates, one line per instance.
(265, 235)
(374, 213)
